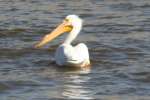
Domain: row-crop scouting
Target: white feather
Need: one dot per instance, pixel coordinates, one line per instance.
(66, 54)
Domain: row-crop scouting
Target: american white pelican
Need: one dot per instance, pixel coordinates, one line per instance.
(66, 54)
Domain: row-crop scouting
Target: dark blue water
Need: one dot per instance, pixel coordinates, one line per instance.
(117, 33)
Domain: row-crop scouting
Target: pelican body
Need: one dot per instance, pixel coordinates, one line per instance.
(66, 54)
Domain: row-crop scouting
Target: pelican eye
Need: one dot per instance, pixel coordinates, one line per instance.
(68, 27)
(67, 20)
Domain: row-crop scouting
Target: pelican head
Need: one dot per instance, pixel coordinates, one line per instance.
(71, 24)
(74, 20)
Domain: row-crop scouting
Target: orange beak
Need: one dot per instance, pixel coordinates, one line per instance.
(62, 28)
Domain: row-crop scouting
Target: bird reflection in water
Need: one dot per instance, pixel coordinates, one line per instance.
(75, 85)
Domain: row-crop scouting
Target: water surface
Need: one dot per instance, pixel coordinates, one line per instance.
(117, 33)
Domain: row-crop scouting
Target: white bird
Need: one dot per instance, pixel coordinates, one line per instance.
(66, 54)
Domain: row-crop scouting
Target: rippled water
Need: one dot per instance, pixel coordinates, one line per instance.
(117, 33)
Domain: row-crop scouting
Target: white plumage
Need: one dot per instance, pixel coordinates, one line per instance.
(66, 54)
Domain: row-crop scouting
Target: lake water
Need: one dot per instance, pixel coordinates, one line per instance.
(117, 33)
